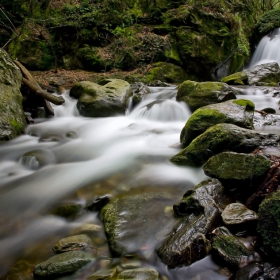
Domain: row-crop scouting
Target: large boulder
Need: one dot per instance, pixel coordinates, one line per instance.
(197, 95)
(104, 100)
(186, 243)
(269, 223)
(234, 170)
(267, 74)
(223, 137)
(239, 112)
(12, 118)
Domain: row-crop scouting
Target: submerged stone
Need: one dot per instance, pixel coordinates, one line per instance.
(138, 273)
(220, 138)
(239, 112)
(236, 170)
(197, 95)
(65, 263)
(187, 243)
(72, 243)
(97, 203)
(67, 210)
(228, 248)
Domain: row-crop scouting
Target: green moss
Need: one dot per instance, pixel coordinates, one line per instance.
(236, 78)
(67, 211)
(17, 127)
(269, 21)
(250, 106)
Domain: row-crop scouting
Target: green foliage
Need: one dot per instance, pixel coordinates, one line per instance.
(269, 21)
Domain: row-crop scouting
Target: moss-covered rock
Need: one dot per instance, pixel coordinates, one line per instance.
(67, 210)
(239, 112)
(197, 95)
(237, 171)
(268, 21)
(12, 118)
(228, 248)
(239, 78)
(269, 223)
(104, 100)
(137, 273)
(220, 138)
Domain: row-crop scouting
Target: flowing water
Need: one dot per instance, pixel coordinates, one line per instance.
(78, 158)
(268, 49)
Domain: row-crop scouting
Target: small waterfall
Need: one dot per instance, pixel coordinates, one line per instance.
(268, 49)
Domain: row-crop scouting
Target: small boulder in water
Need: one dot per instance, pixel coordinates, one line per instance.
(197, 95)
(68, 210)
(96, 203)
(62, 264)
(72, 243)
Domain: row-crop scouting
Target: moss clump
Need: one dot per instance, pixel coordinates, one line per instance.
(239, 78)
(17, 127)
(269, 21)
(249, 105)
(269, 223)
(68, 211)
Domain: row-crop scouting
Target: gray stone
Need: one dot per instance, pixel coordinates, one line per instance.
(220, 138)
(65, 263)
(197, 95)
(239, 112)
(186, 243)
(12, 118)
(236, 170)
(139, 92)
(138, 274)
(72, 243)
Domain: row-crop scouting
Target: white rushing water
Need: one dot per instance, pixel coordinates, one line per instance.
(267, 50)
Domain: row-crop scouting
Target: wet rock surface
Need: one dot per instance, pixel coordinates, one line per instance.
(239, 112)
(197, 95)
(97, 203)
(220, 138)
(187, 242)
(62, 264)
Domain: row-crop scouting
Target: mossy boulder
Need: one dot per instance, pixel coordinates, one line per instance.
(33, 47)
(238, 171)
(69, 211)
(268, 21)
(165, 72)
(62, 264)
(228, 248)
(12, 118)
(105, 100)
(269, 223)
(220, 138)
(267, 74)
(239, 112)
(187, 241)
(197, 95)
(137, 273)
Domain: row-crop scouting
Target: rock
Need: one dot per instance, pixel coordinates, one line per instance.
(242, 171)
(129, 219)
(269, 110)
(228, 248)
(238, 216)
(104, 100)
(87, 228)
(165, 72)
(12, 118)
(197, 95)
(21, 270)
(103, 274)
(269, 223)
(97, 203)
(223, 137)
(139, 91)
(187, 243)
(266, 120)
(239, 112)
(158, 83)
(267, 74)
(67, 210)
(72, 243)
(138, 273)
(62, 264)
(36, 159)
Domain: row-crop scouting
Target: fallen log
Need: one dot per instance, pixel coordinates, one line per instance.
(30, 82)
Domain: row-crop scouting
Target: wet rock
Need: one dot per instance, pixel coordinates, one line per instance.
(238, 216)
(139, 91)
(72, 243)
(223, 137)
(267, 74)
(138, 273)
(186, 243)
(36, 159)
(269, 110)
(21, 270)
(104, 100)
(65, 263)
(97, 203)
(134, 223)
(103, 274)
(229, 249)
(249, 272)
(87, 228)
(12, 117)
(266, 120)
(269, 223)
(68, 210)
(241, 171)
(239, 112)
(158, 83)
(197, 95)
